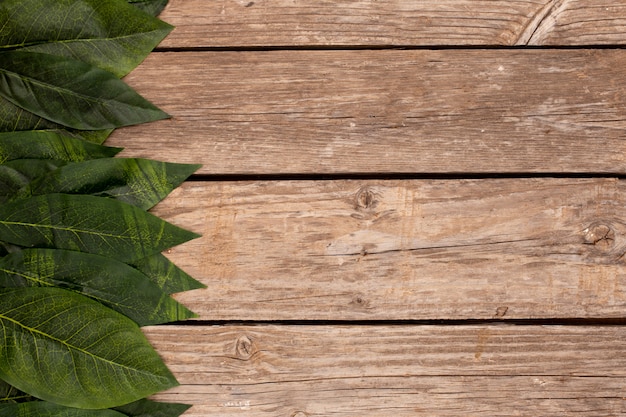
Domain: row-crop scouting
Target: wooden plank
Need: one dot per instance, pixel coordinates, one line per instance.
(263, 23)
(310, 371)
(485, 111)
(387, 250)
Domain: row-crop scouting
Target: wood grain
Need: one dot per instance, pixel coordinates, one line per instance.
(263, 23)
(389, 250)
(460, 111)
(296, 371)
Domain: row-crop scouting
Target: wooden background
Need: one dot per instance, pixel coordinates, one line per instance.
(408, 208)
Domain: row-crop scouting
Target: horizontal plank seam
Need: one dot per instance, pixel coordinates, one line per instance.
(400, 176)
(398, 47)
(421, 376)
(568, 322)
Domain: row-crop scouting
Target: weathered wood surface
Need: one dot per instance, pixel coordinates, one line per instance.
(260, 23)
(451, 111)
(387, 250)
(271, 87)
(298, 371)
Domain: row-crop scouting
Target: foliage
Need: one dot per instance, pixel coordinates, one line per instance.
(81, 267)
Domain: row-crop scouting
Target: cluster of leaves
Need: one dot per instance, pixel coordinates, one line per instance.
(81, 266)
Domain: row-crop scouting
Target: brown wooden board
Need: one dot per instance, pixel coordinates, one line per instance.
(389, 250)
(356, 274)
(329, 112)
(262, 23)
(306, 371)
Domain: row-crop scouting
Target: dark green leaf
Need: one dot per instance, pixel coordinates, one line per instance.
(112, 283)
(65, 348)
(10, 394)
(6, 248)
(139, 182)
(14, 118)
(87, 224)
(94, 136)
(17, 174)
(33, 168)
(152, 7)
(71, 93)
(148, 408)
(47, 409)
(11, 181)
(49, 144)
(166, 274)
(109, 34)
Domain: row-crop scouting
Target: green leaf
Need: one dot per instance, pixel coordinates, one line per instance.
(94, 136)
(148, 408)
(87, 224)
(47, 409)
(11, 182)
(17, 174)
(139, 182)
(112, 283)
(14, 118)
(169, 277)
(49, 144)
(152, 7)
(34, 168)
(10, 394)
(109, 34)
(71, 93)
(65, 348)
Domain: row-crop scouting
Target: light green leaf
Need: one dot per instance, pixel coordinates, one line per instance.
(109, 34)
(87, 224)
(139, 182)
(10, 394)
(71, 93)
(65, 348)
(169, 277)
(112, 283)
(152, 7)
(148, 408)
(49, 144)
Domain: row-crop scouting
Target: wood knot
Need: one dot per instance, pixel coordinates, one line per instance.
(299, 414)
(501, 312)
(245, 348)
(365, 199)
(360, 302)
(600, 235)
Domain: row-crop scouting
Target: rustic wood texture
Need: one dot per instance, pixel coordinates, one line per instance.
(261, 23)
(298, 371)
(284, 87)
(330, 112)
(387, 250)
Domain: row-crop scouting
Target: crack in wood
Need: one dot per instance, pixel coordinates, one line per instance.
(364, 252)
(540, 23)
